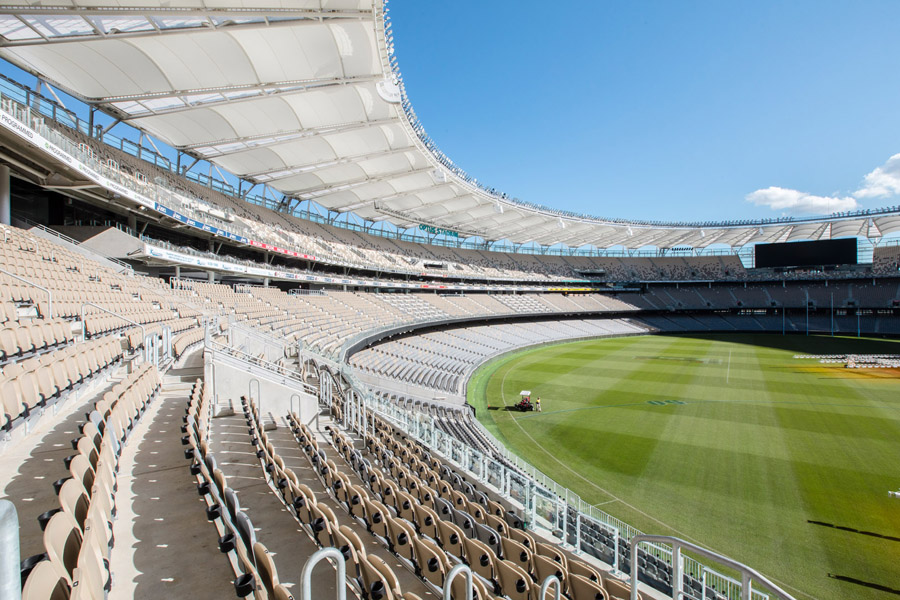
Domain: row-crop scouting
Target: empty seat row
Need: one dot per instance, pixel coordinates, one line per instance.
(39, 381)
(187, 339)
(23, 338)
(256, 574)
(515, 566)
(367, 574)
(78, 534)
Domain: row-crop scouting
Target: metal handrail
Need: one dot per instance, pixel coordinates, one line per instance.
(258, 394)
(115, 314)
(40, 287)
(747, 574)
(265, 365)
(306, 574)
(551, 581)
(256, 334)
(291, 403)
(467, 572)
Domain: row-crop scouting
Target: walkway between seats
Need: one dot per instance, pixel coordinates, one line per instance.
(165, 547)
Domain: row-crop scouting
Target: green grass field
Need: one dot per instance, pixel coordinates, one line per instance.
(755, 446)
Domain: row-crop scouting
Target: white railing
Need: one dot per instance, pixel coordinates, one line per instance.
(747, 574)
(252, 362)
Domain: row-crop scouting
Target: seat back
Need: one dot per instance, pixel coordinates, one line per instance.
(62, 541)
(265, 566)
(46, 582)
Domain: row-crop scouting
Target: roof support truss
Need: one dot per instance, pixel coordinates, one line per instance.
(267, 89)
(152, 28)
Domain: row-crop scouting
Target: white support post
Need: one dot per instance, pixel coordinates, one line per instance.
(533, 487)
(577, 548)
(10, 579)
(5, 201)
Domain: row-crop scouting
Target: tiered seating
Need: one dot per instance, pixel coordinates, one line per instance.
(256, 574)
(34, 384)
(434, 518)
(32, 336)
(184, 341)
(442, 360)
(78, 534)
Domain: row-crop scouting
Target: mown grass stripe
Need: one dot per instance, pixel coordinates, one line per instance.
(753, 454)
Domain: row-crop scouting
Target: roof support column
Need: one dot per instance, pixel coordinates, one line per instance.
(4, 195)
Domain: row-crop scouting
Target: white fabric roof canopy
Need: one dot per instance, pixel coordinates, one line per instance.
(287, 93)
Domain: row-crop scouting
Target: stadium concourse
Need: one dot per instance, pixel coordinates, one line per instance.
(337, 260)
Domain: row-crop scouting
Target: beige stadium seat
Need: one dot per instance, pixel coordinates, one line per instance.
(545, 567)
(451, 537)
(63, 331)
(431, 560)
(402, 533)
(61, 375)
(90, 356)
(36, 333)
(13, 370)
(46, 383)
(92, 573)
(8, 312)
(582, 588)
(481, 559)
(74, 500)
(73, 372)
(514, 581)
(46, 582)
(517, 553)
(9, 345)
(265, 566)
(23, 339)
(84, 365)
(11, 399)
(86, 448)
(378, 578)
(281, 593)
(62, 541)
(576, 567)
(616, 590)
(28, 388)
(427, 520)
(51, 333)
(80, 469)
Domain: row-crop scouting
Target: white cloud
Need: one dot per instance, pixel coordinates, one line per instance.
(794, 202)
(883, 181)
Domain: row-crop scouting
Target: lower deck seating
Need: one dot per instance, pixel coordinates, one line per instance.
(34, 384)
(78, 534)
(442, 360)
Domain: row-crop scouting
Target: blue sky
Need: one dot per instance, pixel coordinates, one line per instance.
(663, 110)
